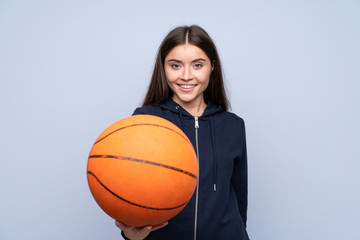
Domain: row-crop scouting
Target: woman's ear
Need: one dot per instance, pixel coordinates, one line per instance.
(213, 65)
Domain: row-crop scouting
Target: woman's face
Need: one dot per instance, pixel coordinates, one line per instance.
(187, 70)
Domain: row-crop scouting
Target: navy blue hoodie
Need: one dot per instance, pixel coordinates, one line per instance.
(222, 196)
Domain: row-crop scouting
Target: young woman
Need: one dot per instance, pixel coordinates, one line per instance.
(187, 89)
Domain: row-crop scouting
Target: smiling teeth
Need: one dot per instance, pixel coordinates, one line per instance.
(186, 86)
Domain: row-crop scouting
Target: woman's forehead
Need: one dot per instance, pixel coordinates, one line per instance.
(187, 52)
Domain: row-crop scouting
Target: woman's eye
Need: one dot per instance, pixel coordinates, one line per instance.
(198, 65)
(175, 66)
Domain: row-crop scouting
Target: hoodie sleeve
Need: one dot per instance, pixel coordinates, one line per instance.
(139, 111)
(240, 177)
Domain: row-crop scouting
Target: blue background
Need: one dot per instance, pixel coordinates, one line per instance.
(68, 69)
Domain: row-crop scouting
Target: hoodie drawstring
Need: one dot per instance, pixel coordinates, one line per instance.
(214, 152)
(181, 117)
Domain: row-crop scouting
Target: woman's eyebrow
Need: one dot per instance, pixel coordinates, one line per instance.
(199, 59)
(174, 60)
(195, 60)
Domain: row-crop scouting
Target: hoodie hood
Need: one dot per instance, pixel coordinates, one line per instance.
(211, 108)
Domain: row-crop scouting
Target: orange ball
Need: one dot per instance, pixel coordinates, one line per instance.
(142, 170)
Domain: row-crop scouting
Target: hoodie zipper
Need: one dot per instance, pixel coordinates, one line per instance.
(197, 184)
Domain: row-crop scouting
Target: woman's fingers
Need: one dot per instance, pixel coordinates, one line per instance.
(120, 225)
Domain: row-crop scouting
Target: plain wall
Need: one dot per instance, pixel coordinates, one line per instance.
(68, 69)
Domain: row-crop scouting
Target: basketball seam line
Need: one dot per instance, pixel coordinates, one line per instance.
(146, 162)
(141, 124)
(132, 203)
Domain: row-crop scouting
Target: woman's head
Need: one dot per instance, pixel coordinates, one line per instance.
(159, 91)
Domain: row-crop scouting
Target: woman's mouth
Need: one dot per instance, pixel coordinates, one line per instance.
(187, 86)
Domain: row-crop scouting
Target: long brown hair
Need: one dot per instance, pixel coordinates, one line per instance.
(159, 91)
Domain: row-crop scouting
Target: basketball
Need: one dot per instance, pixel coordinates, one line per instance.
(142, 170)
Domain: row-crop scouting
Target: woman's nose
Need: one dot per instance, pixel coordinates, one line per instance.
(187, 74)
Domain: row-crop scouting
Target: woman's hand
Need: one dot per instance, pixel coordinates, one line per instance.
(138, 233)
